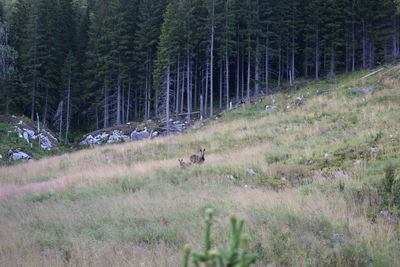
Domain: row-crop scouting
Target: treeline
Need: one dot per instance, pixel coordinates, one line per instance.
(93, 64)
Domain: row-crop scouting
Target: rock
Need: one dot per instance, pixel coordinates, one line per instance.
(270, 108)
(299, 100)
(19, 156)
(339, 174)
(364, 89)
(357, 162)
(283, 179)
(388, 215)
(250, 171)
(373, 149)
(229, 177)
(310, 162)
(246, 186)
(328, 155)
(338, 236)
(117, 137)
(139, 135)
(1, 156)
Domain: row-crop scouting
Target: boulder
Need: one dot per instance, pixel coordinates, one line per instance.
(117, 137)
(250, 171)
(140, 135)
(19, 156)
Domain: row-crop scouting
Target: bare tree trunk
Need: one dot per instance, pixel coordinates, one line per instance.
(267, 65)
(128, 104)
(353, 47)
(212, 62)
(46, 105)
(188, 89)
(248, 72)
(364, 46)
(178, 74)
(206, 90)
(118, 120)
(237, 71)
(106, 106)
(317, 56)
(68, 106)
(332, 64)
(227, 77)
(167, 98)
(256, 70)
(243, 77)
(279, 67)
(220, 85)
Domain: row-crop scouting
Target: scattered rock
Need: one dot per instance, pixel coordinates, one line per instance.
(19, 155)
(338, 236)
(250, 171)
(299, 100)
(270, 108)
(373, 149)
(388, 215)
(364, 89)
(328, 155)
(310, 162)
(140, 135)
(339, 173)
(117, 137)
(229, 177)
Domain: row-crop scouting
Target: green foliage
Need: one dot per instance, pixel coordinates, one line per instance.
(235, 255)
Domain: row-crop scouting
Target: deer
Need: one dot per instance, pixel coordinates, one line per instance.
(198, 159)
(183, 164)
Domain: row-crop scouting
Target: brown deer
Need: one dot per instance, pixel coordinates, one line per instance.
(183, 164)
(198, 159)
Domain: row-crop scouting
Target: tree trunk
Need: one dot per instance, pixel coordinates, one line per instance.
(267, 65)
(237, 72)
(248, 72)
(68, 106)
(227, 77)
(105, 121)
(167, 98)
(256, 70)
(317, 56)
(206, 91)
(220, 85)
(188, 89)
(212, 62)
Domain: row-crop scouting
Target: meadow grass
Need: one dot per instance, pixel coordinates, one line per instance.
(314, 198)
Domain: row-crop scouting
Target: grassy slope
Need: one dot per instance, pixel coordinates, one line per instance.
(130, 204)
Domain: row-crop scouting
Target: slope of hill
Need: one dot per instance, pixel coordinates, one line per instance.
(313, 172)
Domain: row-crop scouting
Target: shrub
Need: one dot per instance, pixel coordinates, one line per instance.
(235, 255)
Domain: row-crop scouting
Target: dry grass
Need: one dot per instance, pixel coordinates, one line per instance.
(141, 208)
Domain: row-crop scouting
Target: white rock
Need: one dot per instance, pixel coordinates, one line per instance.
(357, 162)
(373, 149)
(1, 156)
(19, 156)
(283, 179)
(328, 155)
(229, 177)
(250, 171)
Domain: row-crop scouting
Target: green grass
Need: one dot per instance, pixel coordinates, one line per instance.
(301, 207)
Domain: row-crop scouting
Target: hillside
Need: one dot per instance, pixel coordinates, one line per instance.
(313, 172)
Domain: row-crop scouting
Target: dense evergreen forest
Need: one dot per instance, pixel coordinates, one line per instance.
(90, 64)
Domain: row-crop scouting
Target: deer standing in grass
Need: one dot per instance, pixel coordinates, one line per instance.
(183, 164)
(198, 159)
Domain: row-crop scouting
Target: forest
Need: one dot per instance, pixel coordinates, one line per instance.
(80, 65)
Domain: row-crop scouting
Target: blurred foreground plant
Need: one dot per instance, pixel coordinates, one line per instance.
(236, 255)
